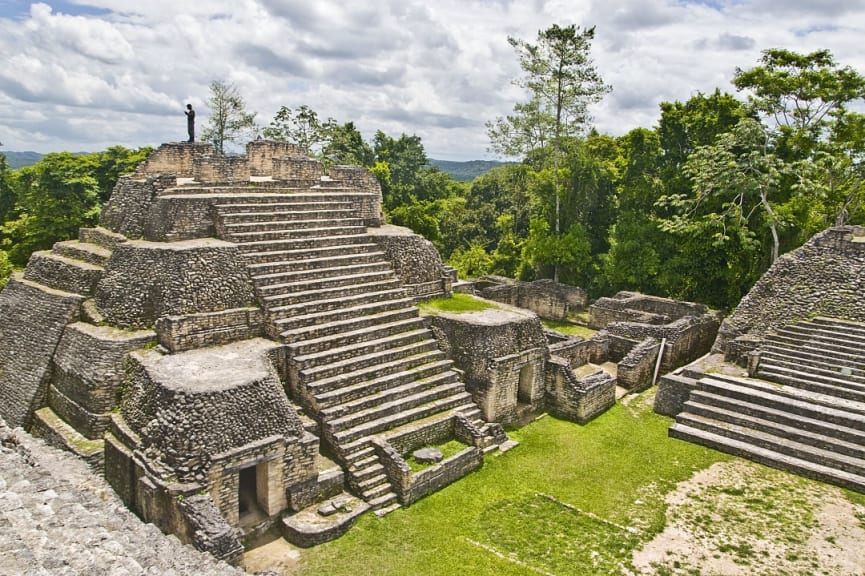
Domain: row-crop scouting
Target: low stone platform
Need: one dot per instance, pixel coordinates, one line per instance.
(323, 521)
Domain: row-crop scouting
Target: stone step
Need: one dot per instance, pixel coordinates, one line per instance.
(822, 333)
(745, 409)
(841, 440)
(825, 339)
(354, 322)
(379, 495)
(819, 362)
(300, 263)
(302, 244)
(230, 198)
(288, 213)
(62, 273)
(839, 325)
(361, 350)
(792, 400)
(436, 385)
(101, 237)
(84, 251)
(360, 383)
(841, 354)
(356, 336)
(366, 472)
(768, 457)
(775, 443)
(357, 452)
(808, 380)
(303, 280)
(291, 320)
(404, 414)
(383, 511)
(319, 372)
(243, 227)
(299, 256)
(296, 233)
(372, 481)
(283, 307)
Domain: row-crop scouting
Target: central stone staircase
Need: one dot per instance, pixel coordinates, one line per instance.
(361, 361)
(804, 412)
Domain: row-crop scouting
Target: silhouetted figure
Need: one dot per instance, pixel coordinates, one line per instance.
(190, 122)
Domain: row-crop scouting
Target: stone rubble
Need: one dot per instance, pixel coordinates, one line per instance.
(58, 518)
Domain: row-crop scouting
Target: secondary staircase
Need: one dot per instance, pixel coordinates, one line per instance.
(804, 411)
(361, 359)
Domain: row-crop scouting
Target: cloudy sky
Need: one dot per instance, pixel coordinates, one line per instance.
(83, 75)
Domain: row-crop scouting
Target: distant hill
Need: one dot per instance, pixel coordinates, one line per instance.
(21, 159)
(466, 171)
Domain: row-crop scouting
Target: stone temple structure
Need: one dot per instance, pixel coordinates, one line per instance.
(785, 383)
(236, 347)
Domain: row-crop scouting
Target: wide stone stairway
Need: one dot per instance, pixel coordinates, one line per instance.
(803, 412)
(360, 359)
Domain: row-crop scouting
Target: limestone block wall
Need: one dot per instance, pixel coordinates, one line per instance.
(130, 203)
(686, 339)
(358, 178)
(32, 321)
(577, 399)
(636, 370)
(545, 298)
(192, 331)
(415, 260)
(176, 218)
(221, 169)
(87, 371)
(184, 417)
(144, 281)
(579, 351)
(300, 169)
(260, 155)
(175, 158)
(825, 276)
(501, 353)
(629, 304)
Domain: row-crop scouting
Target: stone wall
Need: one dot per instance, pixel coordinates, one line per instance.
(175, 158)
(579, 351)
(195, 276)
(825, 276)
(502, 353)
(87, 372)
(260, 154)
(545, 298)
(185, 417)
(636, 307)
(32, 321)
(636, 370)
(686, 339)
(298, 170)
(180, 333)
(177, 217)
(221, 169)
(130, 203)
(577, 399)
(415, 260)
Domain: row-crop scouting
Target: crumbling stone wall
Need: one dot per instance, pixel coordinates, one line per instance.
(545, 298)
(636, 307)
(502, 353)
(181, 278)
(825, 276)
(32, 320)
(636, 370)
(131, 201)
(221, 169)
(87, 372)
(577, 399)
(175, 158)
(260, 154)
(415, 260)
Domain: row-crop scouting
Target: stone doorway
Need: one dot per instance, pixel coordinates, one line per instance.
(526, 383)
(250, 511)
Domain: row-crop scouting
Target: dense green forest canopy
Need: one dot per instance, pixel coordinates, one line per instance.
(696, 207)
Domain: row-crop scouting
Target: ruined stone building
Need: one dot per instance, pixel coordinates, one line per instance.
(785, 383)
(237, 347)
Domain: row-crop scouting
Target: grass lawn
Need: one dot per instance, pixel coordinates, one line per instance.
(570, 499)
(456, 304)
(569, 328)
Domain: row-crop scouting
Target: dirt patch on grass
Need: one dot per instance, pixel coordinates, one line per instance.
(738, 518)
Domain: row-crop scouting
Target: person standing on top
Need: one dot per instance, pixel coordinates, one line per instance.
(190, 122)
